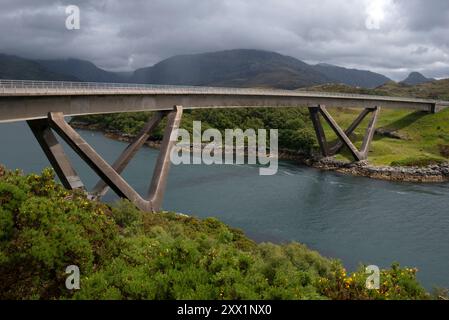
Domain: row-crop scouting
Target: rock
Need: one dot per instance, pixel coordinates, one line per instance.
(431, 173)
(389, 133)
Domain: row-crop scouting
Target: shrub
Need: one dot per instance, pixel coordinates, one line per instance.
(124, 253)
(395, 284)
(45, 229)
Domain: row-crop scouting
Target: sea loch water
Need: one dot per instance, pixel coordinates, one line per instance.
(355, 219)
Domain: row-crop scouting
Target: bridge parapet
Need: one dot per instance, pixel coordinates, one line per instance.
(30, 87)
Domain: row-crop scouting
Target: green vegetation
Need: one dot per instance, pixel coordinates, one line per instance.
(409, 138)
(123, 253)
(295, 131)
(431, 90)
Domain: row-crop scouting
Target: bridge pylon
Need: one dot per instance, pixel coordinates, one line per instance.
(109, 175)
(343, 136)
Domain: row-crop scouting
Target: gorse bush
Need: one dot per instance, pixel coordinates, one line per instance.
(123, 253)
(396, 284)
(45, 229)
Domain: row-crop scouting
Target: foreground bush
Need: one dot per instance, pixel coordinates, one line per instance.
(123, 253)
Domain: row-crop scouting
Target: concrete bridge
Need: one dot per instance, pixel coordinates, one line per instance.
(44, 105)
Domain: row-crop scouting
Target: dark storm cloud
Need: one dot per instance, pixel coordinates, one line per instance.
(388, 36)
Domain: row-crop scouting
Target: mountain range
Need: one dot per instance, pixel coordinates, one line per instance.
(231, 68)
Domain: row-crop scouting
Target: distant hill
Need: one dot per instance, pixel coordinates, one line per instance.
(233, 68)
(415, 78)
(13, 67)
(252, 68)
(438, 89)
(81, 69)
(352, 77)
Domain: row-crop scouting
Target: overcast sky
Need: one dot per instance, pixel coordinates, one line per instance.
(392, 37)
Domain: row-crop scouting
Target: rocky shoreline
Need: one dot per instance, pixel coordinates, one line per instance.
(428, 174)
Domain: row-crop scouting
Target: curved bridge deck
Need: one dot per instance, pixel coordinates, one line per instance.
(28, 100)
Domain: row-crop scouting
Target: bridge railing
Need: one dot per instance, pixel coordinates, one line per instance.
(69, 87)
(66, 86)
(25, 84)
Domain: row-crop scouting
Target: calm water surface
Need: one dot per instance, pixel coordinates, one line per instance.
(354, 219)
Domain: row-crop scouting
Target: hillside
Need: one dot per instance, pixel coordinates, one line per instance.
(13, 67)
(234, 68)
(352, 77)
(127, 254)
(251, 68)
(80, 69)
(438, 89)
(432, 90)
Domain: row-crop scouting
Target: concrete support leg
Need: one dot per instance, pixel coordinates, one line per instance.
(370, 130)
(159, 180)
(321, 136)
(344, 135)
(55, 154)
(336, 148)
(110, 175)
(101, 188)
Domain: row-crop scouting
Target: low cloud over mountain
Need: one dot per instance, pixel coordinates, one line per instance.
(391, 37)
(233, 68)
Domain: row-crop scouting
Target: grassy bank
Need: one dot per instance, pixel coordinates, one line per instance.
(123, 253)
